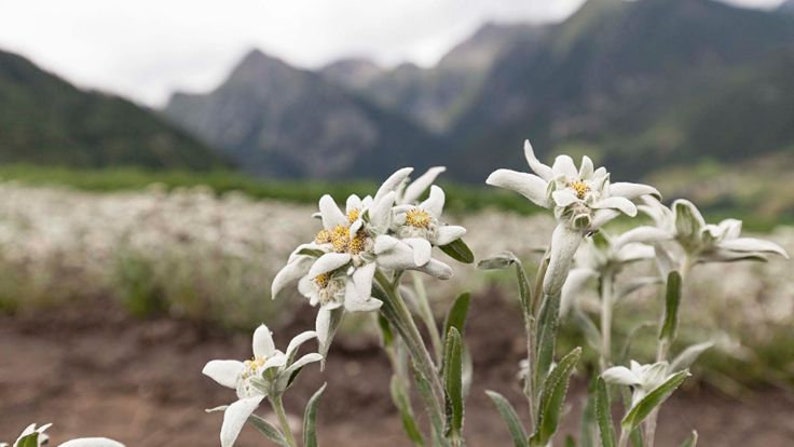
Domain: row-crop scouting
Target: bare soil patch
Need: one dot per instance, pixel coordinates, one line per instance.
(94, 370)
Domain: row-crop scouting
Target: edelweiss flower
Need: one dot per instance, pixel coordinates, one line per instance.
(336, 270)
(268, 373)
(42, 439)
(641, 378)
(702, 242)
(605, 255)
(582, 199)
(419, 226)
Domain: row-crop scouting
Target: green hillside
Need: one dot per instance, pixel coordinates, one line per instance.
(46, 120)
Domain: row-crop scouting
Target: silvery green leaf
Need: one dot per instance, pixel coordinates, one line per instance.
(31, 440)
(552, 397)
(588, 431)
(652, 400)
(604, 414)
(459, 251)
(313, 252)
(692, 440)
(453, 382)
(664, 260)
(310, 419)
(269, 430)
(689, 355)
(672, 301)
(456, 317)
(403, 403)
(424, 389)
(498, 262)
(548, 321)
(511, 418)
(386, 333)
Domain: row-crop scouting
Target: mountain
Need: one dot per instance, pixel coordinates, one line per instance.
(434, 97)
(617, 78)
(279, 121)
(787, 7)
(46, 120)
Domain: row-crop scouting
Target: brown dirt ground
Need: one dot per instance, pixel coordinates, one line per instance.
(94, 370)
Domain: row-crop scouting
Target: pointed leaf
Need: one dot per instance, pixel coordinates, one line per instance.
(310, 419)
(524, 290)
(269, 430)
(552, 397)
(457, 313)
(672, 300)
(31, 440)
(403, 403)
(386, 334)
(588, 431)
(498, 262)
(510, 417)
(652, 400)
(692, 440)
(313, 252)
(459, 251)
(546, 336)
(690, 354)
(604, 415)
(425, 390)
(453, 383)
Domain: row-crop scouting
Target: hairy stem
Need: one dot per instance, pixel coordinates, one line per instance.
(606, 320)
(278, 407)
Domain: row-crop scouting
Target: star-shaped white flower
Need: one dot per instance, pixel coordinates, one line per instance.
(268, 373)
(582, 199)
(641, 378)
(699, 241)
(419, 226)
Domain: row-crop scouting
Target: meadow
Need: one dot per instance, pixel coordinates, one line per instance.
(208, 254)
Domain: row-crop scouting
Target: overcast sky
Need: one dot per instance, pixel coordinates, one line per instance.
(146, 49)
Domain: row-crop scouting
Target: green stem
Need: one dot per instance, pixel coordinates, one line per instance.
(427, 315)
(624, 438)
(278, 407)
(662, 353)
(396, 311)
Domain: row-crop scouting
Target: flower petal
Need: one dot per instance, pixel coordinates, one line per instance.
(298, 340)
(643, 234)
(436, 269)
(688, 220)
(564, 197)
(418, 186)
(434, 204)
(262, 343)
(225, 372)
(235, 417)
(276, 360)
(632, 190)
(328, 263)
(543, 171)
(586, 169)
(303, 361)
(602, 216)
(362, 281)
(293, 271)
(330, 213)
(620, 203)
(380, 212)
(749, 244)
(353, 203)
(421, 248)
(449, 233)
(621, 375)
(528, 185)
(391, 183)
(564, 165)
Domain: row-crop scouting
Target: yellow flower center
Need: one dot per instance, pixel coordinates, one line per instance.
(358, 243)
(251, 366)
(418, 218)
(353, 215)
(322, 280)
(323, 237)
(580, 188)
(340, 237)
